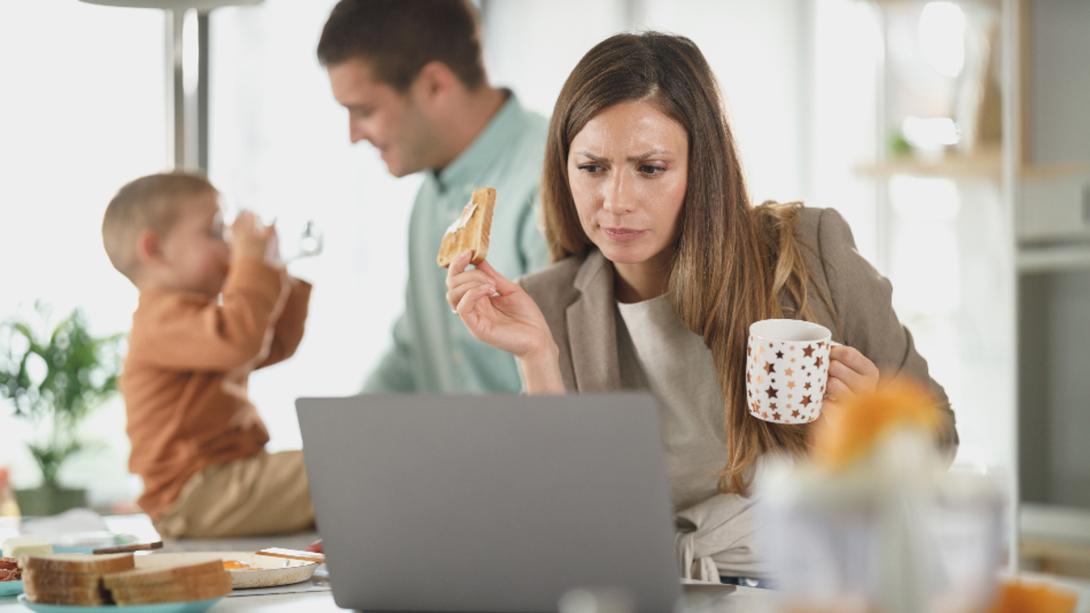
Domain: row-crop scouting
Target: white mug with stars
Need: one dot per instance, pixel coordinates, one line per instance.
(787, 368)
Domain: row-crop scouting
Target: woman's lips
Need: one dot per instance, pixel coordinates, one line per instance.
(623, 235)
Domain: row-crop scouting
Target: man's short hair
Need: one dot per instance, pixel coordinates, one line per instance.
(148, 203)
(400, 36)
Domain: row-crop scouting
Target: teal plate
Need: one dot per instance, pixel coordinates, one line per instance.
(196, 606)
(10, 588)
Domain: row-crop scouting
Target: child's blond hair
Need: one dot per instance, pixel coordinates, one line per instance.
(148, 203)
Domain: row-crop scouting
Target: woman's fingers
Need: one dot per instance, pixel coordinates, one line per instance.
(840, 371)
(854, 359)
(469, 276)
(457, 266)
(468, 303)
(455, 295)
(836, 389)
(503, 284)
(850, 372)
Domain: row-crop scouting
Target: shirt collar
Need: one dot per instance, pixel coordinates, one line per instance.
(486, 149)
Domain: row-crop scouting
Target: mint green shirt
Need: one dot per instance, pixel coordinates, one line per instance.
(432, 350)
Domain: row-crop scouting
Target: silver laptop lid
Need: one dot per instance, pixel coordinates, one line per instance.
(489, 503)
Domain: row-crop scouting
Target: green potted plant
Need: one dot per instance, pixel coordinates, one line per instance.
(54, 381)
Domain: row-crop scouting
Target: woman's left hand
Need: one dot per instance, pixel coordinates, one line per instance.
(850, 372)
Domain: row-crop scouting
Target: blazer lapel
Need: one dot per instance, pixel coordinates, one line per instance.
(592, 328)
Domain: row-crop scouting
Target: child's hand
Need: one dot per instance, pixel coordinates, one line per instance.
(249, 237)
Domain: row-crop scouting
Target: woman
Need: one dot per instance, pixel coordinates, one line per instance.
(661, 265)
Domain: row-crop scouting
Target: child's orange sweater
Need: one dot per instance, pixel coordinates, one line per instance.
(185, 376)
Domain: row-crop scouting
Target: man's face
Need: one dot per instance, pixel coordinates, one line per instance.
(391, 121)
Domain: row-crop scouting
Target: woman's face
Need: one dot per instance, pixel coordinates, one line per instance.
(628, 168)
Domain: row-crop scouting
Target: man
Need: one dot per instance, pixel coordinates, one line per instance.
(411, 74)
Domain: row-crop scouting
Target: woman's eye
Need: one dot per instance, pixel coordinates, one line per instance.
(591, 168)
(648, 169)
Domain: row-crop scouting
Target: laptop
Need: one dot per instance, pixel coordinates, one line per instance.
(490, 503)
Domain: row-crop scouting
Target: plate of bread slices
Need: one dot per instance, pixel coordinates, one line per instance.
(470, 232)
(151, 583)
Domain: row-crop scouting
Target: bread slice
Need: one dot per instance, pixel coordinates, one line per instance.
(71, 579)
(150, 573)
(211, 586)
(82, 589)
(470, 232)
(169, 582)
(80, 563)
(95, 597)
(45, 580)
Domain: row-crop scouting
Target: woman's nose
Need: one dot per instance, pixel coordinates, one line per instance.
(616, 199)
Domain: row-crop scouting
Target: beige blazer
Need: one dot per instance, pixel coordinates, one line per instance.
(576, 297)
(717, 536)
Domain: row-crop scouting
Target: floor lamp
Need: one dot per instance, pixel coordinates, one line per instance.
(187, 74)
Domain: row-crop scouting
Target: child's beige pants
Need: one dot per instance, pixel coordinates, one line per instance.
(263, 494)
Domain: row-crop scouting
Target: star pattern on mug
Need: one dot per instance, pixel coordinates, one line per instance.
(785, 380)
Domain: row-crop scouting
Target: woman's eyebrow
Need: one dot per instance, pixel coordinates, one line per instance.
(593, 157)
(634, 158)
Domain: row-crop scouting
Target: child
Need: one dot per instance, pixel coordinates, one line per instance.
(210, 312)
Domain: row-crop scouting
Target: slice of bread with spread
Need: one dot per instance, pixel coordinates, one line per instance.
(470, 232)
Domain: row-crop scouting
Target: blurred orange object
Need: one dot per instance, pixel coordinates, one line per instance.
(1018, 597)
(849, 430)
(7, 497)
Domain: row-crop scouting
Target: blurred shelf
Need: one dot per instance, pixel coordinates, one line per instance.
(987, 164)
(996, 4)
(1055, 539)
(1057, 258)
(1050, 521)
(1056, 171)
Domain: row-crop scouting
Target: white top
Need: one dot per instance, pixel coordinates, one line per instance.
(657, 352)
(675, 364)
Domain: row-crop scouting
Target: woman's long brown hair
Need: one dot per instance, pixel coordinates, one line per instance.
(732, 261)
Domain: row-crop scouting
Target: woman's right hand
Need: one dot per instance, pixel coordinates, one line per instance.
(497, 311)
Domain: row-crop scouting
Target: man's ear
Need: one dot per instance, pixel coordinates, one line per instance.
(148, 249)
(434, 82)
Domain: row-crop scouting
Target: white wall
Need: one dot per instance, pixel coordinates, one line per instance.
(80, 117)
(82, 111)
(279, 145)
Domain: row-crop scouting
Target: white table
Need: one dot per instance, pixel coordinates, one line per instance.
(745, 599)
(741, 600)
